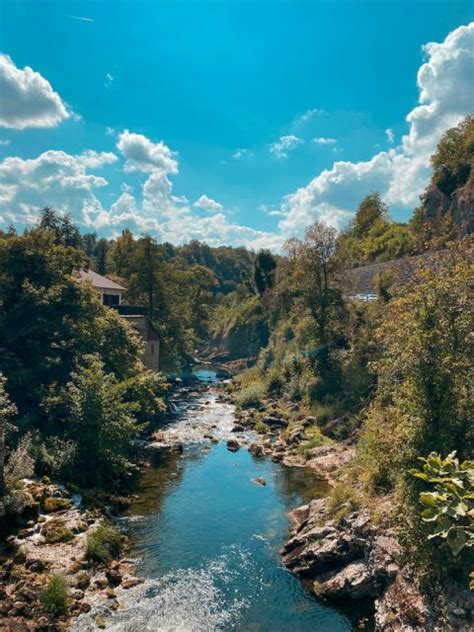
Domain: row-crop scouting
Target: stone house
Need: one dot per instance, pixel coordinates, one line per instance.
(137, 315)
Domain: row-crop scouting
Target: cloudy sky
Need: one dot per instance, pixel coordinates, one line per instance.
(235, 122)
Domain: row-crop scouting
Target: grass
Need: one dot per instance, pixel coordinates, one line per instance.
(342, 501)
(316, 441)
(250, 396)
(103, 544)
(55, 596)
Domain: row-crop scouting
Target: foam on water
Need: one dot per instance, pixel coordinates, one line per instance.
(183, 601)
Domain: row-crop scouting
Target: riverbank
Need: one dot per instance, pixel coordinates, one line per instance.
(346, 550)
(52, 543)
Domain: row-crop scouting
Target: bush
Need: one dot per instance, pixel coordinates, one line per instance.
(20, 464)
(250, 397)
(317, 440)
(274, 382)
(55, 596)
(103, 544)
(342, 501)
(449, 509)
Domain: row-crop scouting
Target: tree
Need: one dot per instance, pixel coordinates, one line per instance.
(7, 411)
(454, 157)
(371, 209)
(101, 421)
(426, 371)
(264, 271)
(312, 275)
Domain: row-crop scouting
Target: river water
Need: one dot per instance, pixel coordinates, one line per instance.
(207, 537)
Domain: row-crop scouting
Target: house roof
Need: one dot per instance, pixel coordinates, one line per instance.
(99, 281)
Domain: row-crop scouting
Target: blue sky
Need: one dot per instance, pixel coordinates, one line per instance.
(250, 102)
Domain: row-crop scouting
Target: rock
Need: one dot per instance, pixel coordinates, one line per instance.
(35, 565)
(354, 582)
(82, 580)
(295, 436)
(77, 593)
(309, 421)
(259, 480)
(275, 421)
(256, 449)
(238, 428)
(42, 623)
(233, 445)
(298, 516)
(85, 606)
(52, 505)
(114, 577)
(100, 622)
(129, 582)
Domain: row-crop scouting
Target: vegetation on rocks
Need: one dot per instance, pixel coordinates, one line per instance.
(103, 544)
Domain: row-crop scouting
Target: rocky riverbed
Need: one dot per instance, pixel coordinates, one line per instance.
(52, 542)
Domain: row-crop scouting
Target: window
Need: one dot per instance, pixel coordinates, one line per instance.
(110, 299)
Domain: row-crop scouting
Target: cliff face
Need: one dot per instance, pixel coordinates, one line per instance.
(460, 205)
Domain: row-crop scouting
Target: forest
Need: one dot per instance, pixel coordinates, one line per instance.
(392, 377)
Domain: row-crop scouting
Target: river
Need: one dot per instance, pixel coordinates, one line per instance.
(207, 537)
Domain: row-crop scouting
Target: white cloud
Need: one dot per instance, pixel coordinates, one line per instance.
(27, 100)
(109, 79)
(323, 140)
(4, 143)
(240, 153)
(285, 144)
(143, 155)
(399, 174)
(390, 134)
(208, 204)
(307, 116)
(54, 178)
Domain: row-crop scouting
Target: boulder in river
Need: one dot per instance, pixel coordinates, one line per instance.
(259, 480)
(233, 445)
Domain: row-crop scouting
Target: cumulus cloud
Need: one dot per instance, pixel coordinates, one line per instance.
(208, 204)
(54, 178)
(285, 144)
(143, 155)
(109, 79)
(27, 100)
(323, 140)
(399, 174)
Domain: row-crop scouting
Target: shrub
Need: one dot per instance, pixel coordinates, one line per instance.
(55, 596)
(260, 427)
(342, 501)
(274, 382)
(250, 396)
(449, 509)
(103, 544)
(317, 440)
(20, 464)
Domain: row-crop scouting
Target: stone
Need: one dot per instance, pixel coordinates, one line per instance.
(256, 449)
(35, 565)
(129, 582)
(259, 480)
(233, 445)
(238, 428)
(354, 582)
(275, 421)
(82, 580)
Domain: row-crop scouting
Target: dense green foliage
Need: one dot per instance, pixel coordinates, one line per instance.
(450, 507)
(453, 160)
(70, 363)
